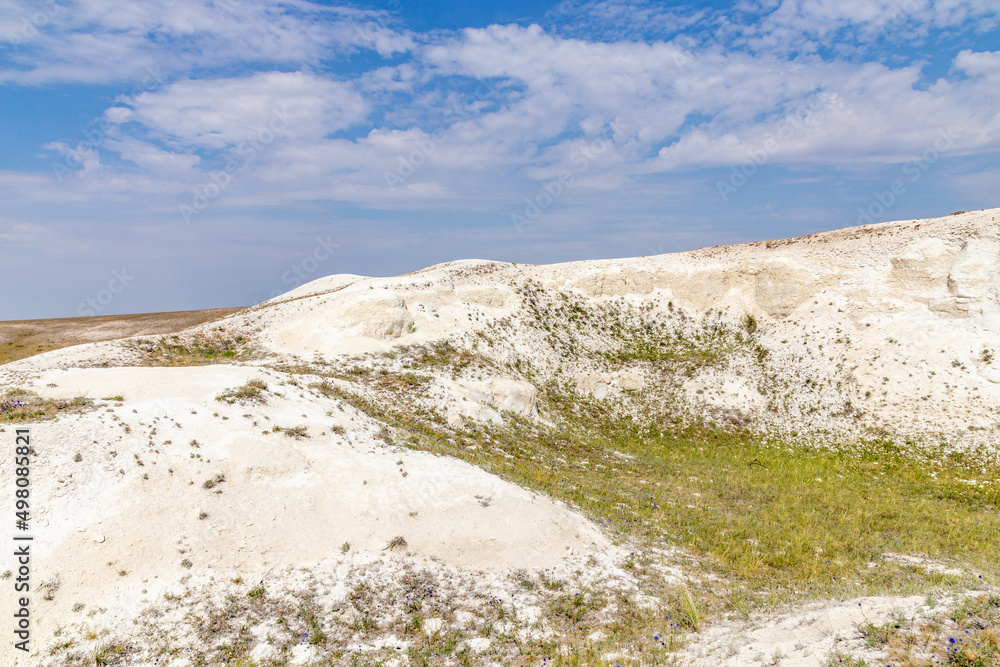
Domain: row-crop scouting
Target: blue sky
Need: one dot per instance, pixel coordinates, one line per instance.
(182, 154)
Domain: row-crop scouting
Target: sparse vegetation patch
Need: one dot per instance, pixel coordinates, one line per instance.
(20, 405)
(193, 350)
(251, 392)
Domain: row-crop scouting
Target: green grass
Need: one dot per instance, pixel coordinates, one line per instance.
(108, 654)
(877, 636)
(316, 635)
(406, 381)
(781, 522)
(837, 659)
(758, 512)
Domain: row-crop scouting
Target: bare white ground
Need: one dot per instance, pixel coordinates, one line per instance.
(804, 638)
(170, 482)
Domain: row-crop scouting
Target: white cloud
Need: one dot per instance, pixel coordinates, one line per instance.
(737, 101)
(983, 64)
(806, 25)
(154, 160)
(95, 41)
(222, 113)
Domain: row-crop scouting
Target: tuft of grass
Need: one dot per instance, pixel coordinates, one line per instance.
(980, 606)
(248, 393)
(440, 354)
(210, 483)
(841, 659)
(576, 608)
(683, 354)
(316, 635)
(691, 614)
(877, 636)
(108, 654)
(407, 381)
(296, 432)
(398, 542)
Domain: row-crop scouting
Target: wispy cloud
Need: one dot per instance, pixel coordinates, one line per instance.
(99, 42)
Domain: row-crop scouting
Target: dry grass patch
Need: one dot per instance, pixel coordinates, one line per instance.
(193, 350)
(251, 392)
(21, 405)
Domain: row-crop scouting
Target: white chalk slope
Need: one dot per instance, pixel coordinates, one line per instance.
(900, 320)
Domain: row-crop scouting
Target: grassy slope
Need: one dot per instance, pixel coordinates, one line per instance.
(772, 524)
(787, 522)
